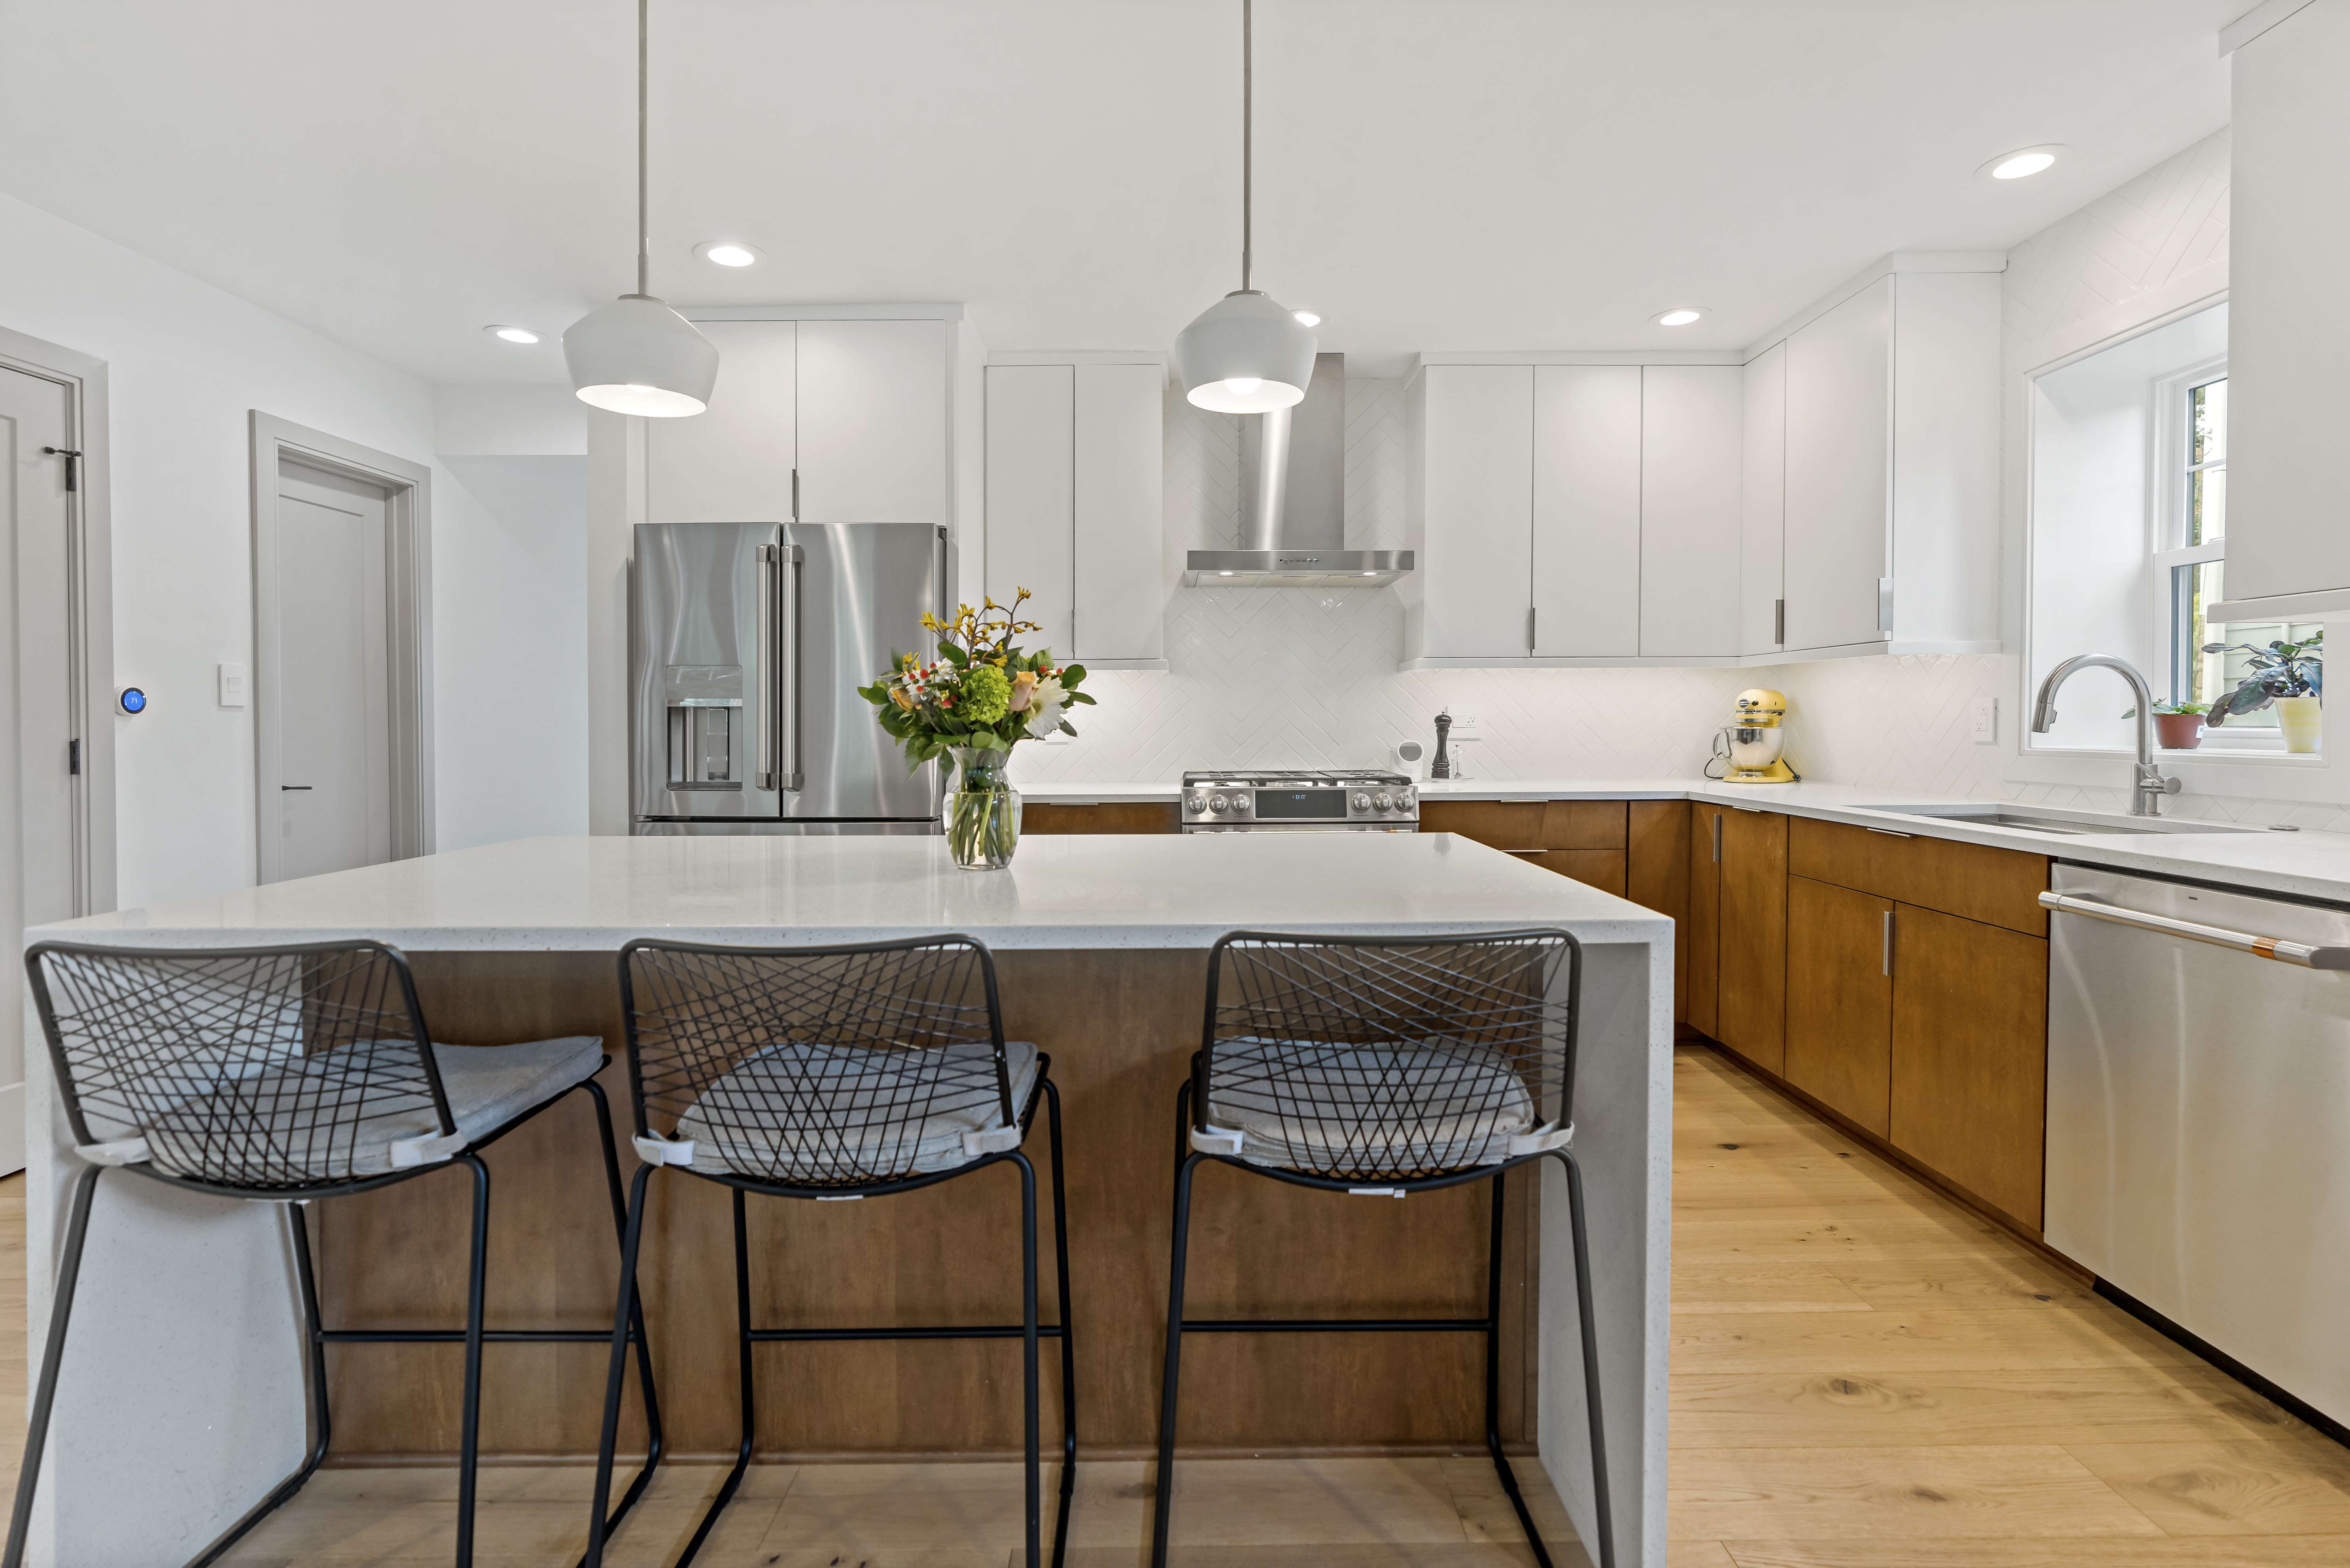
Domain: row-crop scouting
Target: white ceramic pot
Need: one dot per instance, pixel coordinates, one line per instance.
(2298, 718)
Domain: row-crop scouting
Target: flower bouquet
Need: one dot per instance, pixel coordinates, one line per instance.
(977, 699)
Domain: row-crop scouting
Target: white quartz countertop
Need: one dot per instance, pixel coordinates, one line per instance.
(2306, 865)
(1140, 890)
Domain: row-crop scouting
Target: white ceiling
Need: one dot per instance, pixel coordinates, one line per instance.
(1463, 175)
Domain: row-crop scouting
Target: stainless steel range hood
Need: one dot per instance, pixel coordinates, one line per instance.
(1294, 502)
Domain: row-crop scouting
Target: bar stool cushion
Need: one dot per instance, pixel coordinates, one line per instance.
(1329, 1106)
(282, 1118)
(808, 1113)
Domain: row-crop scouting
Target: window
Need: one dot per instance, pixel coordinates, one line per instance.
(2192, 528)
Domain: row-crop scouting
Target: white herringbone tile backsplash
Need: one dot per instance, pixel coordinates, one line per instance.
(1310, 679)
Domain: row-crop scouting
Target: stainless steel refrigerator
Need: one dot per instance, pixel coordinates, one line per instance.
(746, 644)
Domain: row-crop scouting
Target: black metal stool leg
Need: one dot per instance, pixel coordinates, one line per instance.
(1163, 1508)
(45, 1394)
(1494, 1381)
(1068, 1331)
(653, 1443)
(746, 1392)
(1032, 1456)
(624, 1311)
(1605, 1513)
(469, 1438)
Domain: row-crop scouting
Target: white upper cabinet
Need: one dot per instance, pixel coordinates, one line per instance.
(1691, 428)
(1076, 506)
(1587, 547)
(1120, 535)
(1469, 512)
(732, 464)
(872, 421)
(1762, 504)
(1031, 493)
(2288, 553)
(1839, 420)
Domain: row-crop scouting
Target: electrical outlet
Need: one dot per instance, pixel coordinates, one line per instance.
(1464, 726)
(1986, 721)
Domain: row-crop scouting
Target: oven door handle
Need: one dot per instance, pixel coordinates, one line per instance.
(2307, 955)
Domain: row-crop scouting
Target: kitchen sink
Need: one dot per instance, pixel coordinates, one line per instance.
(2067, 824)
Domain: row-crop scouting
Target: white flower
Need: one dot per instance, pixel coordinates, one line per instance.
(1045, 706)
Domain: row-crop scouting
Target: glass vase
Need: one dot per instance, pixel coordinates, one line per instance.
(982, 811)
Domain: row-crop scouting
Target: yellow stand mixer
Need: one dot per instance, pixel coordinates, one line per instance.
(1749, 744)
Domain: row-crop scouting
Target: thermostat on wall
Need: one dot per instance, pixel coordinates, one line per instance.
(131, 700)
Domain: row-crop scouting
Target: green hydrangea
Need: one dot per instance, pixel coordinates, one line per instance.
(985, 697)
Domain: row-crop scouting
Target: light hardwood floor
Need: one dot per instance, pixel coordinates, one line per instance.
(1864, 1375)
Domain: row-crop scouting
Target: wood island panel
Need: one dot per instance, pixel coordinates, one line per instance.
(1106, 816)
(1120, 1026)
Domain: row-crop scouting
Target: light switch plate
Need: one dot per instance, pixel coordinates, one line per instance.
(1986, 721)
(232, 682)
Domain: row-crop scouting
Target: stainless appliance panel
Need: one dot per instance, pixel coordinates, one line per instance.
(695, 659)
(855, 597)
(2199, 1123)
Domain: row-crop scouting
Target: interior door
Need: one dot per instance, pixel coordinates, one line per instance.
(333, 693)
(1840, 999)
(40, 853)
(734, 462)
(1587, 528)
(1839, 471)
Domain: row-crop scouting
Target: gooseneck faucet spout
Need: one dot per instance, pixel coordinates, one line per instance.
(2150, 784)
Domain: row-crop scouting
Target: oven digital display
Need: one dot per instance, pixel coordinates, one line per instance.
(1299, 804)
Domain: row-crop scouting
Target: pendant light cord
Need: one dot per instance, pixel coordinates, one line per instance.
(644, 223)
(1248, 138)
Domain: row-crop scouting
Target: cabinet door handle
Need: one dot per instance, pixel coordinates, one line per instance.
(796, 495)
(1531, 613)
(1888, 943)
(1717, 838)
(1778, 622)
(1891, 833)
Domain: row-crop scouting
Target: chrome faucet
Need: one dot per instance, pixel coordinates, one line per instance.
(2152, 785)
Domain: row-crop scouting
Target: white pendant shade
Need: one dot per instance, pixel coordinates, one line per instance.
(637, 356)
(1245, 355)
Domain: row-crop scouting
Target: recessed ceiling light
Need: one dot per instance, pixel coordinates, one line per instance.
(1679, 315)
(1306, 318)
(2022, 163)
(728, 253)
(512, 333)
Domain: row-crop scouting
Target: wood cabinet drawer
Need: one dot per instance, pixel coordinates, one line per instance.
(1112, 816)
(1521, 826)
(1999, 887)
(1600, 869)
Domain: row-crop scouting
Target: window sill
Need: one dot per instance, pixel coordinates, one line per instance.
(2270, 756)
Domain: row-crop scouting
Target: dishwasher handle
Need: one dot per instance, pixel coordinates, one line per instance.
(2303, 953)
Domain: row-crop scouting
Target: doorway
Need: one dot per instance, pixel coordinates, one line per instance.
(342, 676)
(57, 749)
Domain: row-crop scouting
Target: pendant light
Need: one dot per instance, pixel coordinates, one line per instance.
(637, 356)
(1245, 354)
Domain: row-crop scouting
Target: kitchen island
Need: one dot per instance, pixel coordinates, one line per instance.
(181, 1399)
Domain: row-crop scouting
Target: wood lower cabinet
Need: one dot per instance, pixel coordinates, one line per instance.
(1108, 816)
(1751, 1004)
(1969, 1055)
(1840, 999)
(1600, 869)
(1656, 876)
(1702, 954)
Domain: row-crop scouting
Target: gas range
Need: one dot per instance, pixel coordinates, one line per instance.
(1340, 800)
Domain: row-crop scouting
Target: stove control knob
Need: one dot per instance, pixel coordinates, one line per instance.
(1195, 802)
(1361, 802)
(1382, 802)
(1222, 802)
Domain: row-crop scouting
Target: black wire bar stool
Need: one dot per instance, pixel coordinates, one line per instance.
(831, 1073)
(1387, 1065)
(285, 1074)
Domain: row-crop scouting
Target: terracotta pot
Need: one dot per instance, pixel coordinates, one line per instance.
(2178, 731)
(2298, 718)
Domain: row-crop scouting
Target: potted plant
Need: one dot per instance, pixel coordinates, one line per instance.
(2290, 674)
(978, 699)
(2177, 726)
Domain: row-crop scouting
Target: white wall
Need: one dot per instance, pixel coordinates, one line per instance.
(186, 363)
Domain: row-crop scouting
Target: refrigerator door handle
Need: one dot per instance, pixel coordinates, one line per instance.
(765, 659)
(787, 715)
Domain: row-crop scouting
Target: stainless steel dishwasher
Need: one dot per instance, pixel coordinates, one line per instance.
(2199, 1115)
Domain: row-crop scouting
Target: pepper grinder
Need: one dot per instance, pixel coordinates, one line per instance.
(1441, 767)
